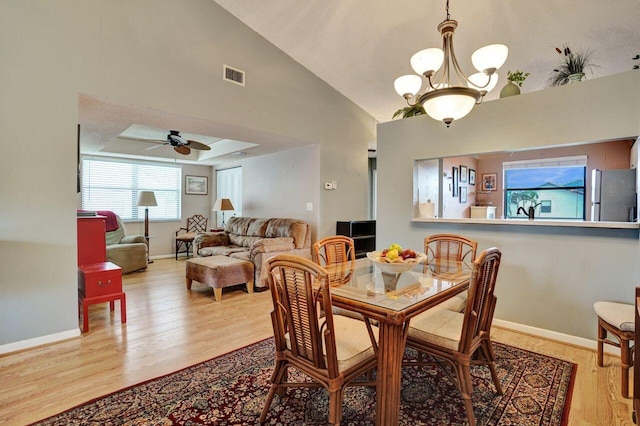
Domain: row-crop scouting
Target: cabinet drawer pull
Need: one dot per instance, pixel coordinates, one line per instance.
(104, 285)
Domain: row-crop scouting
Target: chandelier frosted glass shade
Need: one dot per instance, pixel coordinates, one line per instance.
(408, 85)
(489, 58)
(427, 60)
(479, 81)
(449, 104)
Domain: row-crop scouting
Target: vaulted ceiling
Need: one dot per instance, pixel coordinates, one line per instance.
(359, 47)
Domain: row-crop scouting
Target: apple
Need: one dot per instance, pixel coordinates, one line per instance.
(408, 254)
(384, 253)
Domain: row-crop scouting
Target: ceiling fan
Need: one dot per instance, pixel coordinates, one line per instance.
(180, 145)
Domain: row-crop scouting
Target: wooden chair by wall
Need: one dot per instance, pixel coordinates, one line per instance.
(196, 223)
(463, 339)
(337, 254)
(617, 319)
(451, 247)
(310, 343)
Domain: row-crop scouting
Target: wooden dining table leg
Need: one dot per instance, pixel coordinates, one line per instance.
(391, 342)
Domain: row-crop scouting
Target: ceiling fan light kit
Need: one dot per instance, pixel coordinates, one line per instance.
(445, 99)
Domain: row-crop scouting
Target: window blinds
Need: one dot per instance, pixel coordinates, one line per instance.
(114, 185)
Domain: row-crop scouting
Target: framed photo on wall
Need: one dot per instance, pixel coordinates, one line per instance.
(463, 194)
(454, 176)
(463, 173)
(196, 185)
(489, 181)
(472, 177)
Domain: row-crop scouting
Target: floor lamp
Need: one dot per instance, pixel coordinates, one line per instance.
(147, 199)
(222, 205)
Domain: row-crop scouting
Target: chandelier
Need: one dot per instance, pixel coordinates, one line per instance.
(450, 94)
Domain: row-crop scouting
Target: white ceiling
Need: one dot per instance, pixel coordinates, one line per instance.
(110, 128)
(359, 47)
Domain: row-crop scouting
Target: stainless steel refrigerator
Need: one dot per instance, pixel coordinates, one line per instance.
(613, 195)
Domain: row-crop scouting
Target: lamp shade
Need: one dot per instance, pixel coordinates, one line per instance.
(490, 57)
(451, 103)
(147, 198)
(408, 85)
(479, 81)
(222, 204)
(427, 60)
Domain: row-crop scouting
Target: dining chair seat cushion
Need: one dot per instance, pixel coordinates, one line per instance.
(438, 326)
(456, 303)
(353, 344)
(619, 315)
(187, 236)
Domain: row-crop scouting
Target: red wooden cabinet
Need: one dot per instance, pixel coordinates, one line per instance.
(92, 247)
(99, 281)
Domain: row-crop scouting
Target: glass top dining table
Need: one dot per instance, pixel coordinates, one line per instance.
(392, 300)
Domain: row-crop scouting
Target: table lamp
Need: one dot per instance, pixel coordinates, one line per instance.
(222, 205)
(146, 199)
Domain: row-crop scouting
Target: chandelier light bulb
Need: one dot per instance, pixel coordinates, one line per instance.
(408, 85)
(489, 58)
(427, 60)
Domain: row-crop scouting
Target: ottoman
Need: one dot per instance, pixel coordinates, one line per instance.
(219, 272)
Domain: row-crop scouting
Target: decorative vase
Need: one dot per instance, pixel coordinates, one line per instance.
(574, 78)
(509, 89)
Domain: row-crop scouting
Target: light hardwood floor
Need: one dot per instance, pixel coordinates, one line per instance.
(169, 328)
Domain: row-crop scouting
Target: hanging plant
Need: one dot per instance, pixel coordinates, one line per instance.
(409, 111)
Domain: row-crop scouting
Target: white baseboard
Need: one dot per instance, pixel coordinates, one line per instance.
(554, 335)
(39, 341)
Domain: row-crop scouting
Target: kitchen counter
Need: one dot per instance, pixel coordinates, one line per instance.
(535, 222)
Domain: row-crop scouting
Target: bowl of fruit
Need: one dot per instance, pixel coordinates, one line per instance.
(395, 260)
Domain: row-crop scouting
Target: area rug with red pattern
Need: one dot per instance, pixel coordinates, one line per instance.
(231, 390)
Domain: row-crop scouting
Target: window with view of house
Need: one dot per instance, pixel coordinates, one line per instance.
(555, 187)
(109, 184)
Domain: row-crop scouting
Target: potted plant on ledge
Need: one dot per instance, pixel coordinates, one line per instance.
(572, 66)
(516, 79)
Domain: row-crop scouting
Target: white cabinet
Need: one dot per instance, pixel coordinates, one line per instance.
(483, 212)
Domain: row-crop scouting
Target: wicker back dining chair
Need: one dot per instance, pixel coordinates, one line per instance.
(463, 339)
(451, 247)
(338, 253)
(332, 351)
(185, 236)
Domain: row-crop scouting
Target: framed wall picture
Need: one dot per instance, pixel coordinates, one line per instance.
(489, 181)
(463, 194)
(454, 177)
(196, 185)
(472, 177)
(463, 174)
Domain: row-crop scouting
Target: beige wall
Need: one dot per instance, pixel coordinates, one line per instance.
(126, 51)
(550, 276)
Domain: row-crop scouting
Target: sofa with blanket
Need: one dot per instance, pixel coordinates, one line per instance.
(256, 240)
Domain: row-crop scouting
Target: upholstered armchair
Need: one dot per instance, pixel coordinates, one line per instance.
(129, 252)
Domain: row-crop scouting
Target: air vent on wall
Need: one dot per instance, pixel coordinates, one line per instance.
(233, 75)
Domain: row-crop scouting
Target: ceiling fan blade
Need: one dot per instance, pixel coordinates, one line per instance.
(155, 146)
(198, 145)
(142, 140)
(182, 149)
